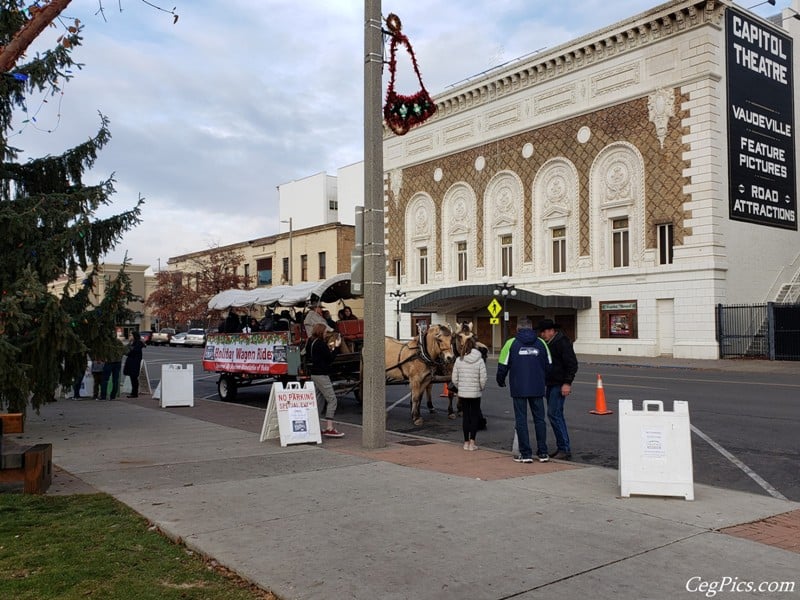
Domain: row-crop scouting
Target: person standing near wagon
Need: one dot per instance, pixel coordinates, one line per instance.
(525, 359)
(319, 359)
(133, 363)
(469, 378)
(559, 383)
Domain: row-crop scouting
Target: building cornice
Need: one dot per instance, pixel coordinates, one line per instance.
(664, 21)
(261, 241)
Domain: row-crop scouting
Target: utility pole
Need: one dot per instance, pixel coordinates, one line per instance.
(374, 351)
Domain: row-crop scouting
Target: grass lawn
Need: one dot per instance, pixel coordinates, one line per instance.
(92, 546)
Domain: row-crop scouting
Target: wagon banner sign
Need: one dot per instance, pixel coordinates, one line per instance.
(761, 153)
(255, 353)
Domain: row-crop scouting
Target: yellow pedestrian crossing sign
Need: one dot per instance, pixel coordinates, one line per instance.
(494, 321)
(494, 308)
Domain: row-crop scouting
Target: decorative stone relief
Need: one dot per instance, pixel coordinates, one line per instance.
(438, 174)
(460, 221)
(555, 190)
(422, 222)
(527, 150)
(396, 183)
(618, 183)
(584, 134)
(661, 107)
(480, 163)
(505, 206)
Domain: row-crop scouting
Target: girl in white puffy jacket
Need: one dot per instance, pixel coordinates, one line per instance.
(469, 377)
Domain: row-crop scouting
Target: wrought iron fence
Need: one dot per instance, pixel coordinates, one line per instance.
(770, 331)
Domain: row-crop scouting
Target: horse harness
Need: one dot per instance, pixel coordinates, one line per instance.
(422, 354)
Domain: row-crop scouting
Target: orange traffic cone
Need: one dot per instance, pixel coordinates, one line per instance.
(445, 392)
(600, 399)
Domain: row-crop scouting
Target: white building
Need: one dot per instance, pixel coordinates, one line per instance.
(626, 183)
(322, 199)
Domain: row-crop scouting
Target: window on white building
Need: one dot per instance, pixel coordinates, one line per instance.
(506, 256)
(304, 267)
(620, 235)
(559, 249)
(322, 266)
(461, 258)
(423, 266)
(665, 243)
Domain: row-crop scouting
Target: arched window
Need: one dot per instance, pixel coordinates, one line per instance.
(617, 206)
(420, 239)
(503, 224)
(459, 237)
(555, 217)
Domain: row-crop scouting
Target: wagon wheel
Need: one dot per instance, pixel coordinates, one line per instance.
(226, 388)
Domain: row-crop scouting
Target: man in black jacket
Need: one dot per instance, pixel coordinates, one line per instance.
(559, 383)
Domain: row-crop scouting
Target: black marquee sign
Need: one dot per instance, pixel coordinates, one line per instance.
(761, 155)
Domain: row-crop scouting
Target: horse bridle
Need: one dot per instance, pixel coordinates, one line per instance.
(422, 353)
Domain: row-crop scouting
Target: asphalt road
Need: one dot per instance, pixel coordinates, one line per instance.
(745, 426)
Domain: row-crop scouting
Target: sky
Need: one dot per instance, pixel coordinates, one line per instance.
(210, 114)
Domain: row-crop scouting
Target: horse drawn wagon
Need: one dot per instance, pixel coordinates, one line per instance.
(263, 357)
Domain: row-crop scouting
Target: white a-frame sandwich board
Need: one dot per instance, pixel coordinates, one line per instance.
(292, 414)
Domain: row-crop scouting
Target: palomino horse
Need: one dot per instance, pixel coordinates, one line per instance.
(417, 360)
(461, 333)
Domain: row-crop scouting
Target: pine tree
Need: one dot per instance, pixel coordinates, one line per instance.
(49, 229)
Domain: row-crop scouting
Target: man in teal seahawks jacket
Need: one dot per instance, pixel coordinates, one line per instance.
(526, 360)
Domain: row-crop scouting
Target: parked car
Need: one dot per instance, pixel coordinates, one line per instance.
(179, 339)
(195, 337)
(162, 337)
(145, 336)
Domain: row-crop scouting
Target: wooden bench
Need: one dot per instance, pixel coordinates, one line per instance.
(33, 466)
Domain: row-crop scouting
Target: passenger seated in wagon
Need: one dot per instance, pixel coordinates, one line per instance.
(314, 317)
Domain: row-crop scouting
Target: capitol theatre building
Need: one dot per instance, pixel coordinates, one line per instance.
(625, 184)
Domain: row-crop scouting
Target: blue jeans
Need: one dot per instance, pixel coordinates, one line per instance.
(521, 425)
(555, 412)
(110, 371)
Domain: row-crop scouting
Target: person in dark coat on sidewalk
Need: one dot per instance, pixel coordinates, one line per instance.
(320, 357)
(559, 383)
(526, 361)
(133, 363)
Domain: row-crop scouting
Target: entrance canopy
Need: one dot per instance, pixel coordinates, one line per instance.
(472, 298)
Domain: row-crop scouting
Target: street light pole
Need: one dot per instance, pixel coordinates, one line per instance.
(505, 289)
(397, 295)
(291, 254)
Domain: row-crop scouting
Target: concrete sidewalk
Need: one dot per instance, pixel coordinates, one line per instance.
(419, 519)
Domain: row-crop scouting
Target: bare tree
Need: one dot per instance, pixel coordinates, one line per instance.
(182, 296)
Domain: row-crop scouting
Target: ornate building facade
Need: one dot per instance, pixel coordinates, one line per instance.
(594, 178)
